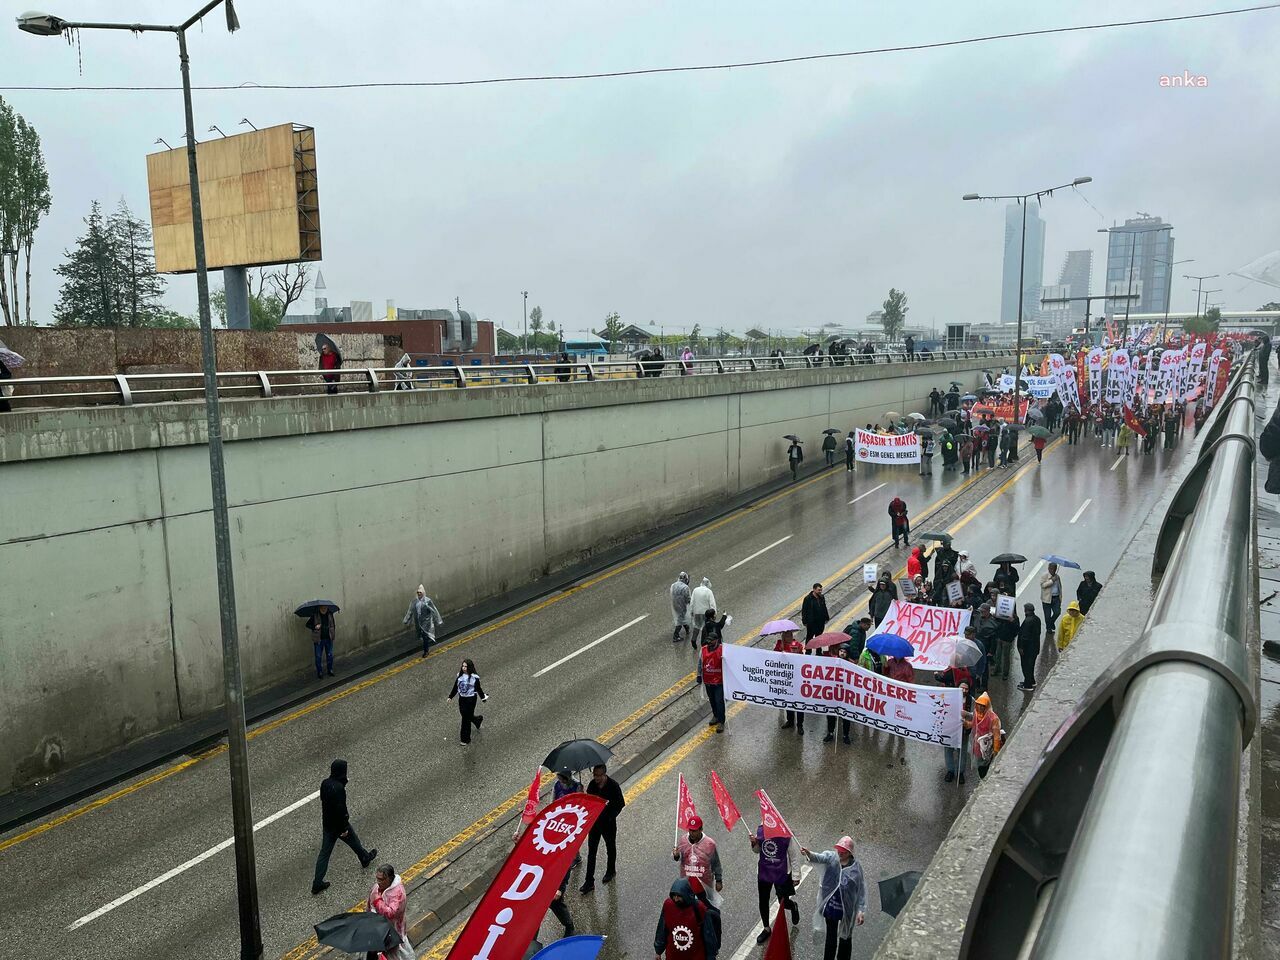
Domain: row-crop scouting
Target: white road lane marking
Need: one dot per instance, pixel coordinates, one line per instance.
(183, 867)
(1118, 459)
(868, 493)
(749, 944)
(1030, 578)
(757, 553)
(1083, 507)
(593, 643)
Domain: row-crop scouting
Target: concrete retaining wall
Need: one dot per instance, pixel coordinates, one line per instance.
(110, 627)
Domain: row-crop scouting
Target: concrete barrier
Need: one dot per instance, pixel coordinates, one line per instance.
(110, 627)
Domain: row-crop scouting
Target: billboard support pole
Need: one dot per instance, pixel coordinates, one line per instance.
(235, 283)
(233, 686)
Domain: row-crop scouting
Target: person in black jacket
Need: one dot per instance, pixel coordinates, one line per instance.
(813, 612)
(605, 827)
(336, 824)
(1029, 646)
(1087, 591)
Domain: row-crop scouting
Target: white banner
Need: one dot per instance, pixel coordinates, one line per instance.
(1073, 387)
(1042, 388)
(930, 630)
(1211, 387)
(875, 448)
(1196, 368)
(1093, 363)
(835, 687)
(1118, 377)
(1058, 370)
(1167, 383)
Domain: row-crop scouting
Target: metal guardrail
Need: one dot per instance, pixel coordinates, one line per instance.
(1123, 844)
(131, 389)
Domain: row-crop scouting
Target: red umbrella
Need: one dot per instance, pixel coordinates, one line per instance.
(829, 639)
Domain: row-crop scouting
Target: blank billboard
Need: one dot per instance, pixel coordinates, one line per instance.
(258, 196)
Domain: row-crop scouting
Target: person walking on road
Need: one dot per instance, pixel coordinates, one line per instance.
(795, 456)
(700, 860)
(842, 898)
(1051, 598)
(1029, 646)
(1087, 591)
(899, 523)
(880, 601)
(335, 823)
(711, 670)
(787, 642)
(776, 870)
(1108, 426)
(1069, 624)
(829, 449)
(927, 447)
(1037, 444)
(425, 617)
(605, 828)
(685, 928)
(848, 452)
(813, 612)
(957, 758)
(703, 600)
(466, 687)
(986, 735)
(680, 597)
(387, 899)
(324, 631)
(1124, 439)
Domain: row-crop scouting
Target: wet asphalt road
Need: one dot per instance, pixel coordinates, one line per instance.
(413, 786)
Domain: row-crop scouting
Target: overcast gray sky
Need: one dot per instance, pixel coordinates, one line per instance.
(776, 196)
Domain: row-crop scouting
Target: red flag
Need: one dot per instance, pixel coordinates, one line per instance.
(531, 802)
(771, 818)
(507, 918)
(724, 803)
(779, 943)
(1133, 422)
(685, 810)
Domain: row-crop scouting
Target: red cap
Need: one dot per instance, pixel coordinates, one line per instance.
(695, 822)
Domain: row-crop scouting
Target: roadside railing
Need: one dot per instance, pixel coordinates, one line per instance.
(131, 389)
(1123, 844)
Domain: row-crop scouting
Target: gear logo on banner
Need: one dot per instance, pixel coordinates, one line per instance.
(682, 937)
(555, 832)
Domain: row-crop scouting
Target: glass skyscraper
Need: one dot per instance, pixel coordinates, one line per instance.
(1149, 242)
(1033, 279)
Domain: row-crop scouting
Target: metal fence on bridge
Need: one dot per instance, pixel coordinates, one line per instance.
(130, 389)
(1123, 844)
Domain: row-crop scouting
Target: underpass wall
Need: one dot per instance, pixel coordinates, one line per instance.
(109, 598)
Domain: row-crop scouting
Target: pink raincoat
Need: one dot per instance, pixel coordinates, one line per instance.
(391, 904)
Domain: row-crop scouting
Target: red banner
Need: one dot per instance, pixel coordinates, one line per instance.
(1224, 374)
(511, 910)
(1133, 422)
(1003, 410)
(771, 818)
(724, 803)
(685, 810)
(531, 801)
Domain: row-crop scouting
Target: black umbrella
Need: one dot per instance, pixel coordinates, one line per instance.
(321, 340)
(896, 891)
(1009, 558)
(577, 755)
(830, 430)
(792, 437)
(358, 933)
(308, 608)
(930, 535)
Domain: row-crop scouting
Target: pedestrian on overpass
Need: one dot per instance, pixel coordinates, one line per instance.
(680, 597)
(848, 452)
(777, 869)
(701, 602)
(1029, 646)
(842, 898)
(335, 825)
(899, 524)
(425, 617)
(813, 612)
(605, 828)
(1051, 598)
(466, 687)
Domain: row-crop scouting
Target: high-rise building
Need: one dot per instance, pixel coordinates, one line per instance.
(1147, 243)
(1033, 272)
(1076, 275)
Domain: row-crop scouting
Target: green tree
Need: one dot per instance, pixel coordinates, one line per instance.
(90, 281)
(173, 320)
(265, 310)
(722, 340)
(24, 201)
(508, 342)
(535, 320)
(1204, 324)
(695, 337)
(141, 288)
(612, 329)
(895, 314)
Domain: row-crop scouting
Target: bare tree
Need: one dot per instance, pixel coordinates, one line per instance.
(288, 284)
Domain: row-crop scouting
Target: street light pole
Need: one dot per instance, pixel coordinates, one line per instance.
(1022, 261)
(233, 687)
(1199, 286)
(1169, 295)
(525, 294)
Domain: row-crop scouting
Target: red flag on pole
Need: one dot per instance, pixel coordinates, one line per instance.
(1133, 422)
(508, 916)
(531, 802)
(685, 810)
(771, 818)
(724, 803)
(779, 943)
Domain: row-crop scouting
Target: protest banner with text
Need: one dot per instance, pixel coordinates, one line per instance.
(930, 630)
(872, 447)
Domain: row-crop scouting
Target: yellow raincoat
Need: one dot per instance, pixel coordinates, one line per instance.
(1069, 624)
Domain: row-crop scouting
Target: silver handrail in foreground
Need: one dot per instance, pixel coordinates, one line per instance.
(130, 389)
(1123, 844)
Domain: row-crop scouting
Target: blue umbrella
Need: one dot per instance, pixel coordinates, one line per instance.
(890, 645)
(1061, 561)
(571, 948)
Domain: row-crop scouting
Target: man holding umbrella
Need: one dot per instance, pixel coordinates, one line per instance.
(795, 456)
(330, 359)
(324, 631)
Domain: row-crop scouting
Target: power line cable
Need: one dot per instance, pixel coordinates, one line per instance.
(651, 71)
